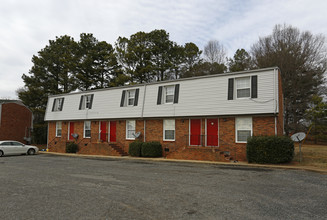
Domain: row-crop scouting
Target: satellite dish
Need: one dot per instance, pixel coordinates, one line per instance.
(136, 135)
(298, 137)
(75, 135)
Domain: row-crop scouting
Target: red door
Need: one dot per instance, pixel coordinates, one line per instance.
(112, 131)
(195, 138)
(212, 132)
(71, 130)
(103, 131)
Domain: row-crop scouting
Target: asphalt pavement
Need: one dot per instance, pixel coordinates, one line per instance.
(58, 187)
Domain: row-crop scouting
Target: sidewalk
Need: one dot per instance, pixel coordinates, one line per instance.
(245, 164)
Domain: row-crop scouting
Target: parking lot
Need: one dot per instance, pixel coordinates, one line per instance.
(59, 187)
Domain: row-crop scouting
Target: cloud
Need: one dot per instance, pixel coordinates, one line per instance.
(27, 26)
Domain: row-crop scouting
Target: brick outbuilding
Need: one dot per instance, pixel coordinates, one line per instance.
(16, 121)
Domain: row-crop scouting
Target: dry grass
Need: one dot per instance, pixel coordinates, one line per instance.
(312, 156)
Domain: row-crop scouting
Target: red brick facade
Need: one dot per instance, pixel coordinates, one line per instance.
(16, 119)
(227, 148)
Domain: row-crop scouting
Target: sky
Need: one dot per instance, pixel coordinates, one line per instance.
(27, 26)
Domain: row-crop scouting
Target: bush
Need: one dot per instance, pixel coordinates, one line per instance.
(135, 148)
(151, 149)
(71, 147)
(269, 149)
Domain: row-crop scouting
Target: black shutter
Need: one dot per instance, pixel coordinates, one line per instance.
(91, 101)
(159, 95)
(54, 102)
(230, 89)
(62, 104)
(122, 101)
(136, 98)
(80, 103)
(176, 93)
(254, 87)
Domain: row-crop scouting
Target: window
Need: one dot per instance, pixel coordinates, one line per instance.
(58, 104)
(168, 94)
(243, 129)
(243, 87)
(130, 129)
(58, 128)
(169, 129)
(129, 97)
(87, 129)
(86, 102)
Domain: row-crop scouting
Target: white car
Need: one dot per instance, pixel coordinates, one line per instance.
(15, 147)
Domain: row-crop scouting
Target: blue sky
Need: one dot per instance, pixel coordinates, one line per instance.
(27, 26)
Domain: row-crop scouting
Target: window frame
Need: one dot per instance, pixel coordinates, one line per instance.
(164, 129)
(243, 88)
(84, 130)
(57, 123)
(165, 94)
(58, 104)
(128, 97)
(127, 130)
(237, 119)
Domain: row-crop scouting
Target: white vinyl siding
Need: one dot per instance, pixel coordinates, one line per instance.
(58, 128)
(169, 129)
(87, 129)
(243, 129)
(205, 96)
(243, 87)
(130, 129)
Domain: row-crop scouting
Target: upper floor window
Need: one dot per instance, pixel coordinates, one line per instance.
(245, 87)
(86, 102)
(58, 128)
(58, 104)
(129, 97)
(168, 94)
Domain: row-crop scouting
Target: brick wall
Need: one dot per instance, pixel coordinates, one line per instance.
(178, 149)
(15, 118)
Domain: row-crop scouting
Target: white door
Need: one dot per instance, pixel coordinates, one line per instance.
(18, 147)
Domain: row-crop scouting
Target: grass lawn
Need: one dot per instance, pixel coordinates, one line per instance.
(312, 156)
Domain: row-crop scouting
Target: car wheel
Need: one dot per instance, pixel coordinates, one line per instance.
(1, 153)
(31, 152)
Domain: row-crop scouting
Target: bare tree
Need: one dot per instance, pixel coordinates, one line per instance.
(301, 57)
(214, 52)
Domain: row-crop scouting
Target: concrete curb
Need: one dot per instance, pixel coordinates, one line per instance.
(245, 164)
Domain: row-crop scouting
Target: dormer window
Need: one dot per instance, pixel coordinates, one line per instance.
(168, 94)
(58, 104)
(86, 102)
(129, 97)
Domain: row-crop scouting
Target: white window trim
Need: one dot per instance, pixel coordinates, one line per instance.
(236, 129)
(165, 96)
(235, 92)
(127, 97)
(58, 104)
(84, 129)
(128, 138)
(57, 128)
(163, 125)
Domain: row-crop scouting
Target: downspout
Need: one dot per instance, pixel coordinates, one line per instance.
(144, 127)
(275, 100)
(48, 136)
